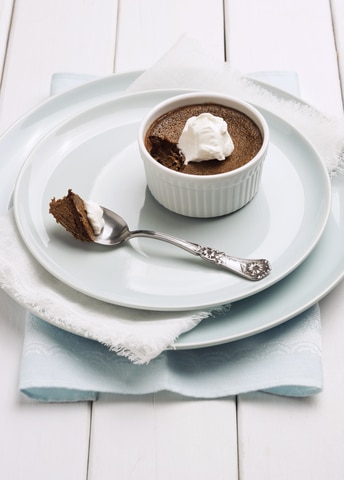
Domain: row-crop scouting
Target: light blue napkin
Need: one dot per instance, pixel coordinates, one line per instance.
(58, 366)
(286, 360)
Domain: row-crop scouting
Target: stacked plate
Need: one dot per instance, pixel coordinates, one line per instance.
(85, 139)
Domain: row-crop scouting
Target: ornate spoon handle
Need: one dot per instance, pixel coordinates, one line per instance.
(251, 269)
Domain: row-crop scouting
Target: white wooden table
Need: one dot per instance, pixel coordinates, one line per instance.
(255, 436)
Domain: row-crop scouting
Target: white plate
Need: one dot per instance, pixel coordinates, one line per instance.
(95, 153)
(314, 279)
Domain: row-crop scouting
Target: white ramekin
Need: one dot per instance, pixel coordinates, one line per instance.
(203, 195)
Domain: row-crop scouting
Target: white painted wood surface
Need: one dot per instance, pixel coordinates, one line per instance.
(293, 35)
(47, 37)
(165, 437)
(162, 436)
(6, 9)
(148, 28)
(337, 7)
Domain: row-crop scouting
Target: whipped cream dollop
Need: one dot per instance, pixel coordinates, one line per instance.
(205, 137)
(95, 216)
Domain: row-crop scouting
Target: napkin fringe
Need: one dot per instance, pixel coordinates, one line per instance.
(126, 344)
(121, 329)
(326, 133)
(140, 354)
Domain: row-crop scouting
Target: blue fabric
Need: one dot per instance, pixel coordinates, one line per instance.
(286, 360)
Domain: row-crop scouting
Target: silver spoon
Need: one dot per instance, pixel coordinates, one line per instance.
(116, 231)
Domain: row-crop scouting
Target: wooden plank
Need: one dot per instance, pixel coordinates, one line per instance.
(36, 439)
(148, 28)
(283, 437)
(337, 17)
(295, 36)
(163, 436)
(48, 37)
(299, 438)
(39, 440)
(6, 9)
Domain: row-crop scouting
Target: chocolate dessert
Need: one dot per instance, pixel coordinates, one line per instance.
(70, 212)
(162, 139)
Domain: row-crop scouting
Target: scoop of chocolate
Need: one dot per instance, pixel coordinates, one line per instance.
(70, 212)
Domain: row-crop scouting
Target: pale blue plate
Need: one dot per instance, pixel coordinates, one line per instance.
(95, 153)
